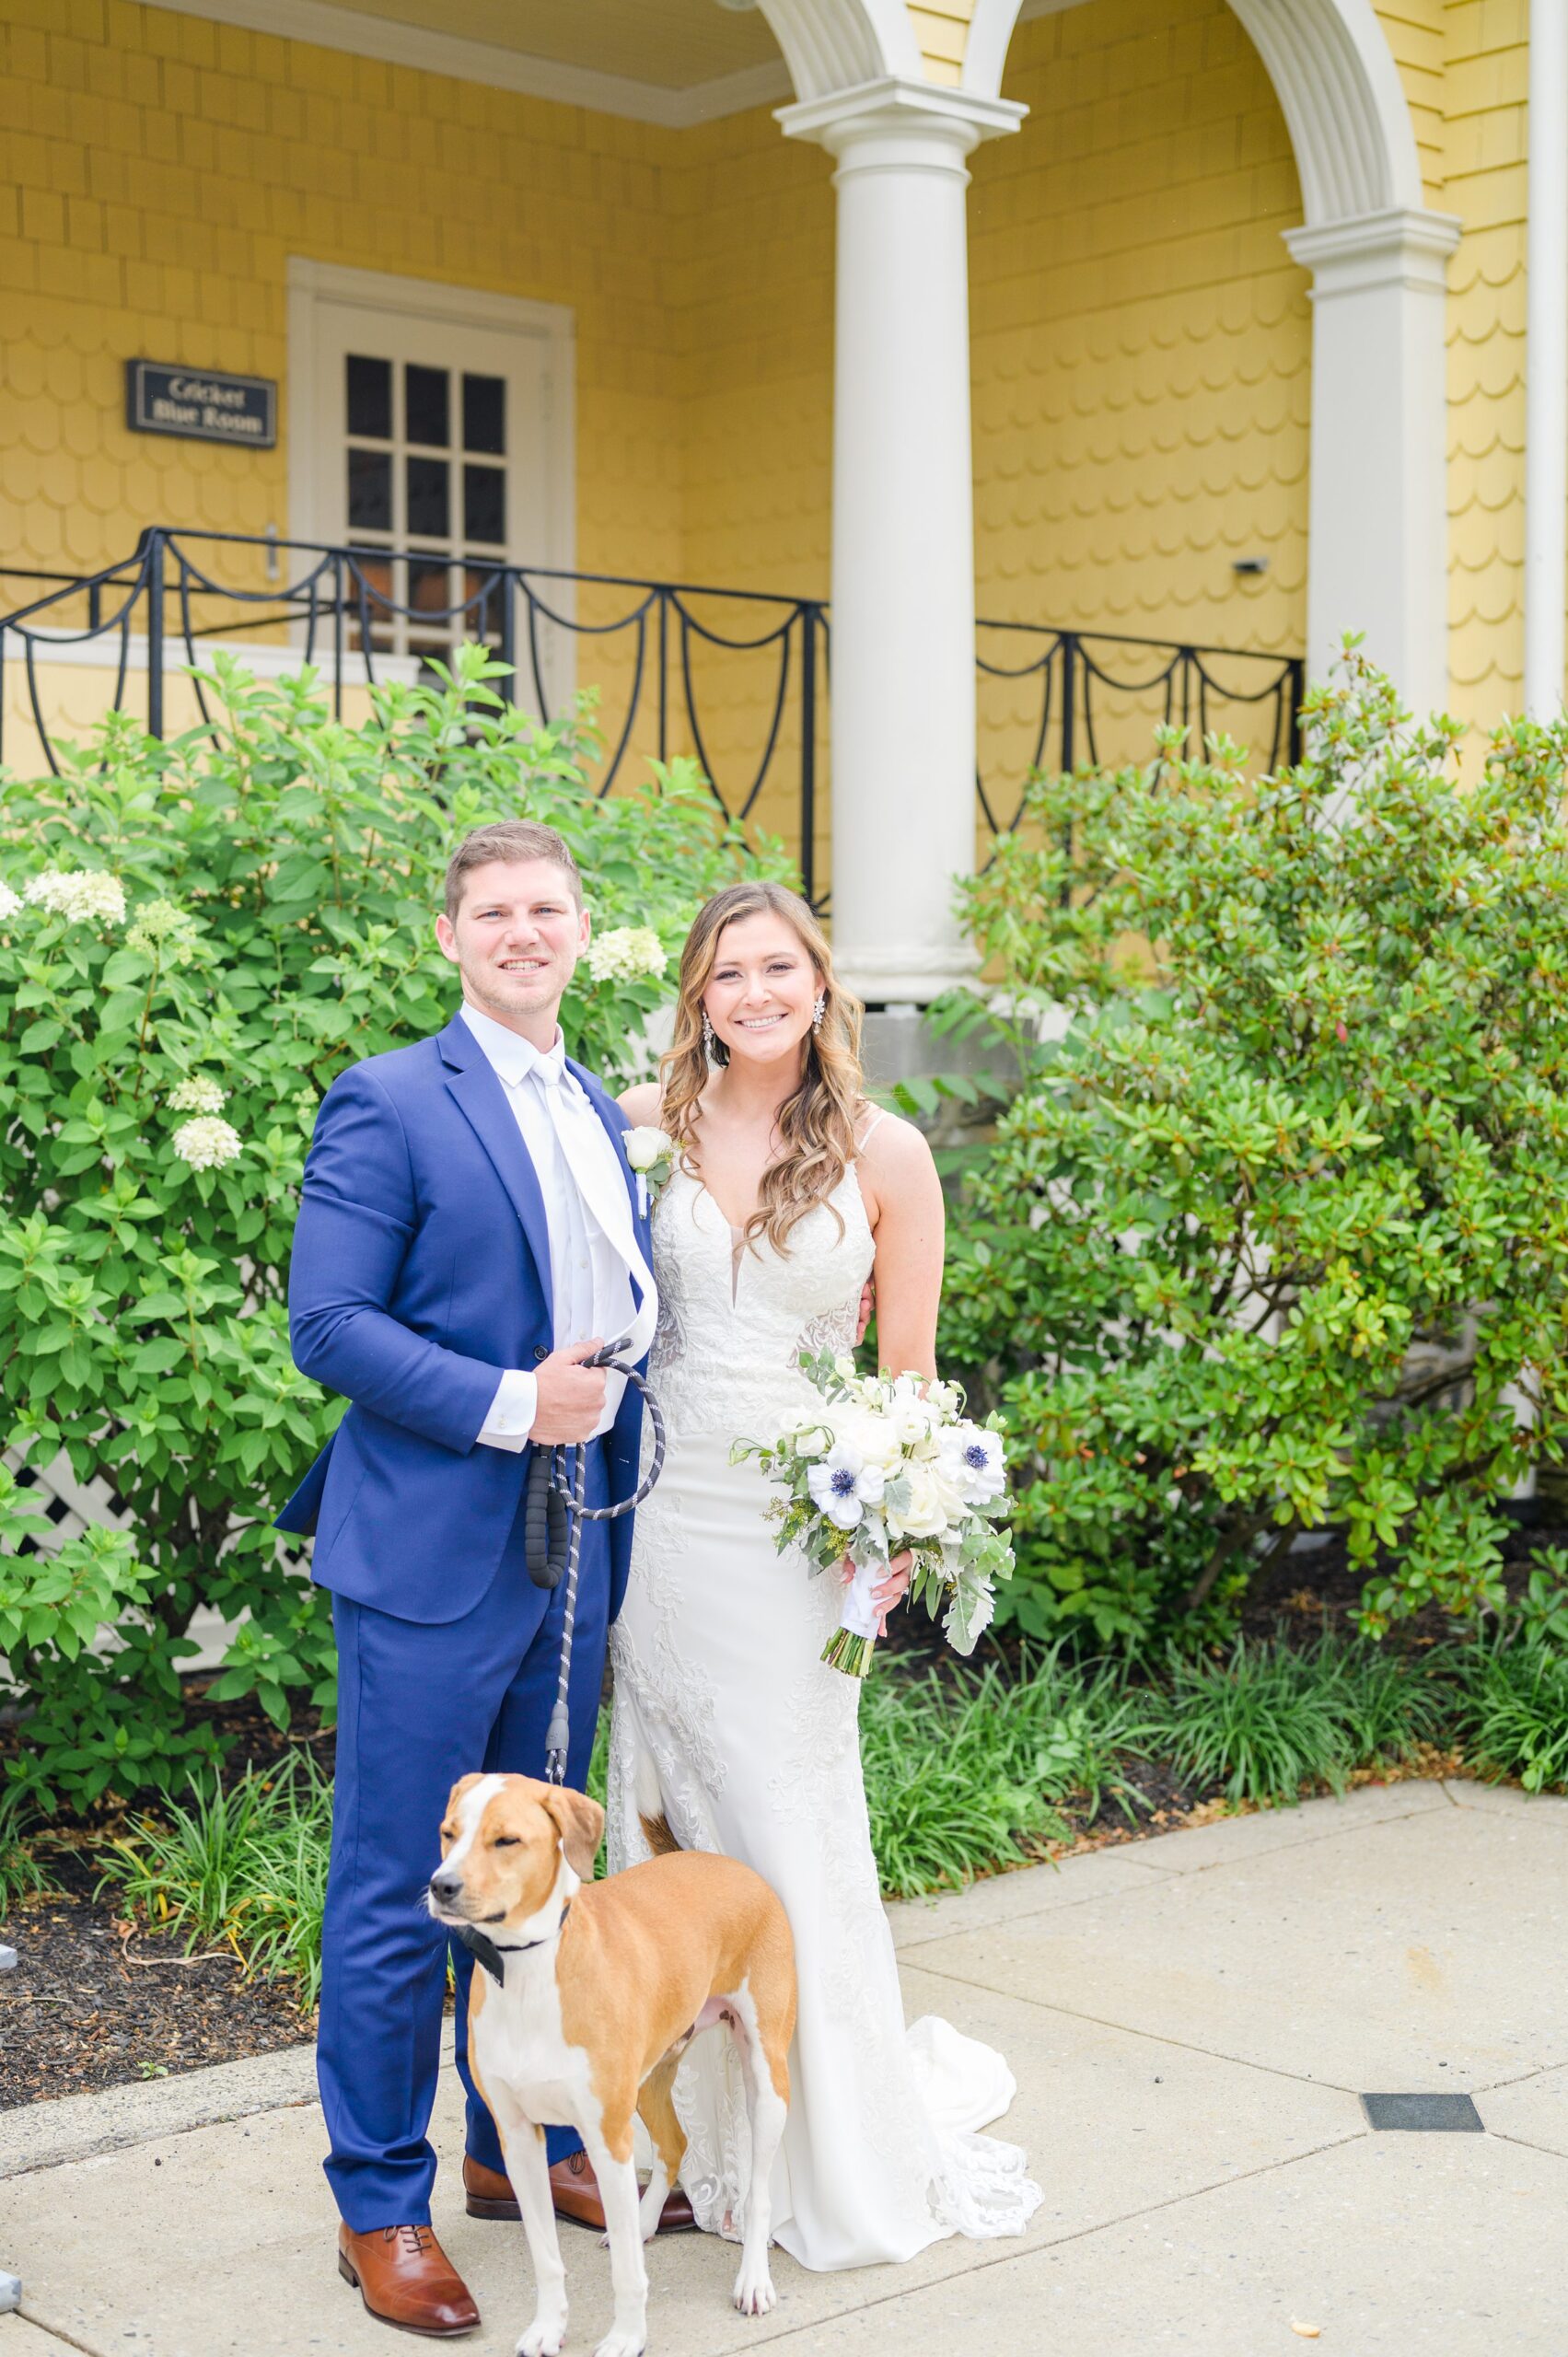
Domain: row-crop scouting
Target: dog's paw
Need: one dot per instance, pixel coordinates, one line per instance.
(546, 2336)
(754, 2294)
(617, 2343)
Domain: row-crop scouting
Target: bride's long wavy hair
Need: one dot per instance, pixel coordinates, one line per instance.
(816, 1125)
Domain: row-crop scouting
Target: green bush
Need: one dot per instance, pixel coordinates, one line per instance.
(1275, 1237)
(195, 938)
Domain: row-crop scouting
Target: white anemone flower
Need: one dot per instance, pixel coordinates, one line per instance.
(843, 1485)
(974, 1460)
(206, 1144)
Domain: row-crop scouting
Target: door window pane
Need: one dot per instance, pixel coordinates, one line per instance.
(426, 406)
(485, 505)
(369, 491)
(429, 499)
(370, 397)
(428, 592)
(485, 414)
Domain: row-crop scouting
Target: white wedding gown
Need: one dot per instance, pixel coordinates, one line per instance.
(755, 1743)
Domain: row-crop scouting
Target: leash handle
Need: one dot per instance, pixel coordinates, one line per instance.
(552, 1534)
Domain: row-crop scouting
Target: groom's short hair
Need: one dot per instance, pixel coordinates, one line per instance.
(509, 839)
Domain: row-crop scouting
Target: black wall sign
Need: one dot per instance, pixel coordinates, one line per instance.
(200, 404)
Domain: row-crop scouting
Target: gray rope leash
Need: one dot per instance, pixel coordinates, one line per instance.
(554, 1516)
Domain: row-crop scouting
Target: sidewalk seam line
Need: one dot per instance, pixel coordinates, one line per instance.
(1153, 2037)
(57, 2333)
(1078, 2233)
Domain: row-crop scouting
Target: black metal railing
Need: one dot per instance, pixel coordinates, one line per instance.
(1066, 696)
(735, 678)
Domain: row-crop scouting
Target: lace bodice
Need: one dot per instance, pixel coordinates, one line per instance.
(734, 1319)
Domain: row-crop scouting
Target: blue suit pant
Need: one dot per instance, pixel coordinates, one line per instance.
(419, 1706)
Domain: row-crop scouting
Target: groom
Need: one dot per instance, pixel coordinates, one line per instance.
(467, 1236)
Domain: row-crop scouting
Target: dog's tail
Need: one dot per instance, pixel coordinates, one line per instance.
(657, 1835)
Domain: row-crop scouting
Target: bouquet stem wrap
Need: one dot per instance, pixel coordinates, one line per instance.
(851, 1646)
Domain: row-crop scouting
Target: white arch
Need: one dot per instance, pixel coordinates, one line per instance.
(1338, 86)
(1339, 91)
(840, 44)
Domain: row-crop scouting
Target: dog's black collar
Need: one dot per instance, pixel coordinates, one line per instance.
(485, 1951)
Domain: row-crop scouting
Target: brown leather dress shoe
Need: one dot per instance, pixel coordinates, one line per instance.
(404, 2277)
(571, 2182)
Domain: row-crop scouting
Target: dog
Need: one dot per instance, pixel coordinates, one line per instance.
(589, 1995)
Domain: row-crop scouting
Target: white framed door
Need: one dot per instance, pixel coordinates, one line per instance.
(431, 431)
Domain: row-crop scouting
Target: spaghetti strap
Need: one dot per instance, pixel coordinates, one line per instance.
(879, 1114)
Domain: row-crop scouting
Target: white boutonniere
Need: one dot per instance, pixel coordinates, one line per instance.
(651, 1153)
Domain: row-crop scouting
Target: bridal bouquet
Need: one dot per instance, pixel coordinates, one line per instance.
(887, 1464)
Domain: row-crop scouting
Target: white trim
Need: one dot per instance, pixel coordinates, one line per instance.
(274, 662)
(1396, 248)
(312, 284)
(919, 108)
(838, 44)
(324, 26)
(1546, 370)
(1339, 91)
(1377, 505)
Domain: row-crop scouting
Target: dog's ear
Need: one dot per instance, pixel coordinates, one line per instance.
(581, 1823)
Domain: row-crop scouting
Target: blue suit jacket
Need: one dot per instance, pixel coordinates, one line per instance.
(421, 1270)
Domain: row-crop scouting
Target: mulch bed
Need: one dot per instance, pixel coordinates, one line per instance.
(95, 2000)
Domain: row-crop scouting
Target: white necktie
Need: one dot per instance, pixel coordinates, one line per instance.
(590, 1163)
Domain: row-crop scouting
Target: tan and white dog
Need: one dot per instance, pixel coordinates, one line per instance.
(589, 1995)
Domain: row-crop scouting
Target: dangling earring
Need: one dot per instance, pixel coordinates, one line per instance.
(713, 1048)
(819, 1010)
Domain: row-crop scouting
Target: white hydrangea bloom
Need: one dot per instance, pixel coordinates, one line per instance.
(196, 1094)
(79, 894)
(10, 902)
(165, 931)
(627, 953)
(206, 1144)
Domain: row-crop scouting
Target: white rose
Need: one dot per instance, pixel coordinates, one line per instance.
(875, 1436)
(929, 1503)
(810, 1440)
(646, 1147)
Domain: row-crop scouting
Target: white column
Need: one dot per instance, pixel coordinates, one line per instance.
(903, 698)
(1546, 363)
(1378, 501)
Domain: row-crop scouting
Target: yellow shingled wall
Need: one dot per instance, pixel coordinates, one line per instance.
(157, 170)
(1485, 81)
(1141, 339)
(941, 27)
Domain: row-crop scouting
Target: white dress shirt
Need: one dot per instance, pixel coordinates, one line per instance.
(592, 1260)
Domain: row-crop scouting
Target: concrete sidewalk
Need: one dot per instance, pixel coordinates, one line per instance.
(1192, 2021)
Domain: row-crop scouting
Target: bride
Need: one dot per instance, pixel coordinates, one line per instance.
(787, 1190)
